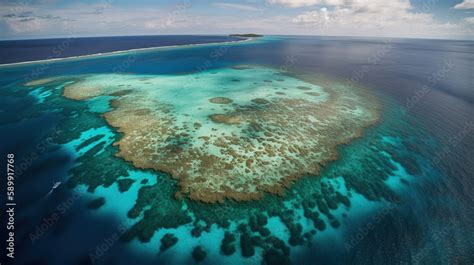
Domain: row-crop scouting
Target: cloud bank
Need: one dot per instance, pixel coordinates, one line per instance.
(377, 18)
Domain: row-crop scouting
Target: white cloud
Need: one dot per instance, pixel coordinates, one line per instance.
(318, 18)
(466, 4)
(302, 3)
(367, 4)
(469, 20)
(376, 18)
(394, 18)
(237, 6)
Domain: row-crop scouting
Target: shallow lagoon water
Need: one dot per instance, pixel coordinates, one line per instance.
(405, 215)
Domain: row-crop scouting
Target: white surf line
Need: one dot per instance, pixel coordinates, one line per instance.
(123, 51)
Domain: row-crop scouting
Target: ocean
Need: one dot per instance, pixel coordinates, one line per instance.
(398, 192)
(14, 51)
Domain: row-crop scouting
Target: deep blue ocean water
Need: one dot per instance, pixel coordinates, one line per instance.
(13, 51)
(426, 83)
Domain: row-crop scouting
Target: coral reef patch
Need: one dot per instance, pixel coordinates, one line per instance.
(247, 142)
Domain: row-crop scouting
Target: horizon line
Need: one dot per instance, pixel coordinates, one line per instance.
(222, 34)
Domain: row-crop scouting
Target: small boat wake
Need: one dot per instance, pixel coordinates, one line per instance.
(55, 185)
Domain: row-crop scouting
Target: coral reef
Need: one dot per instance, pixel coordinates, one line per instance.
(220, 100)
(96, 203)
(167, 241)
(242, 145)
(199, 254)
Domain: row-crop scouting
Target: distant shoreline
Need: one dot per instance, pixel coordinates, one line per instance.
(249, 35)
(244, 39)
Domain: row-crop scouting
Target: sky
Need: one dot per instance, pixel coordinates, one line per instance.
(31, 19)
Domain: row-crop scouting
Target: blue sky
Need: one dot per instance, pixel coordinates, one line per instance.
(27, 19)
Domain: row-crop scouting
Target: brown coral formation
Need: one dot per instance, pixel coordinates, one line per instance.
(220, 100)
(316, 94)
(40, 81)
(239, 154)
(260, 101)
(303, 88)
(225, 118)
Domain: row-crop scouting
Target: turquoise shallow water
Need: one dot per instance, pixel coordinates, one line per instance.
(386, 192)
